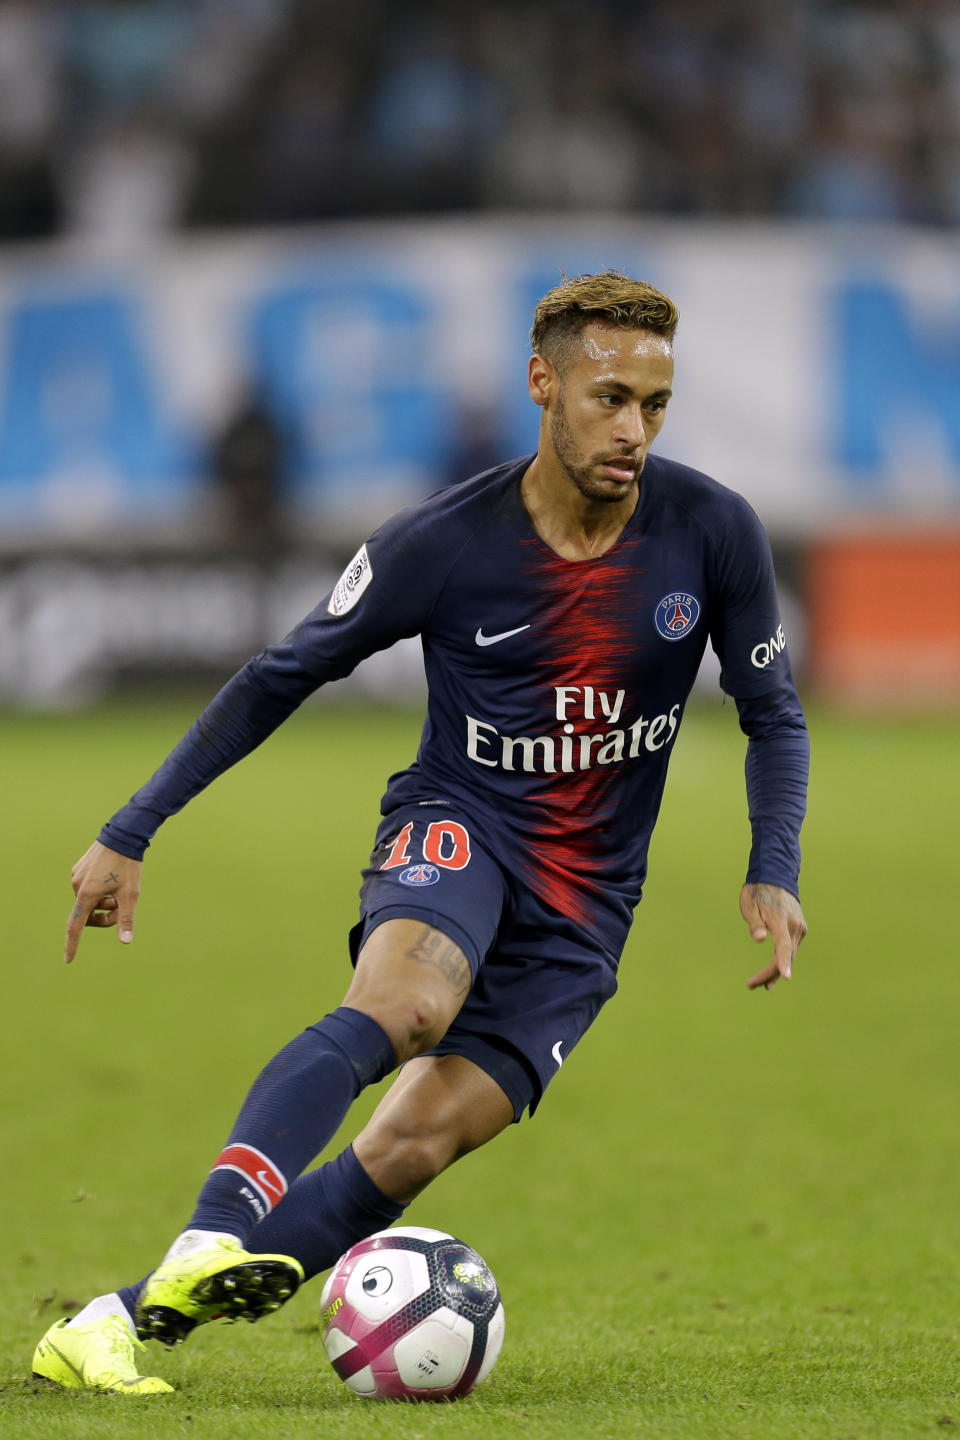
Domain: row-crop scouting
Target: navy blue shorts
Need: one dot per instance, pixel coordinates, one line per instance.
(538, 981)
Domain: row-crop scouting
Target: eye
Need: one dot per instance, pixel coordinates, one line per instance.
(610, 400)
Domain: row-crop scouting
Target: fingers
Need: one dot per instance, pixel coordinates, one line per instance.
(773, 912)
(125, 920)
(107, 887)
(78, 918)
(765, 978)
(750, 910)
(105, 914)
(780, 967)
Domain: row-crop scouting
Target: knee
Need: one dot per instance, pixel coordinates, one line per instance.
(418, 1026)
(412, 979)
(413, 1022)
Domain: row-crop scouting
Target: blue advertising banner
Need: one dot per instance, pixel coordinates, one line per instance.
(818, 371)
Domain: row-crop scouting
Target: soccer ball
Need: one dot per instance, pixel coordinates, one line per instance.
(411, 1314)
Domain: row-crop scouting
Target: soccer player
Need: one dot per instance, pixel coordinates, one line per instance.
(564, 602)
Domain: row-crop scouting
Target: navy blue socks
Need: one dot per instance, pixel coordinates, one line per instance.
(293, 1109)
(325, 1212)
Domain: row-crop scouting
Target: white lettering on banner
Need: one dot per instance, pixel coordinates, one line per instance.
(570, 752)
(160, 342)
(767, 651)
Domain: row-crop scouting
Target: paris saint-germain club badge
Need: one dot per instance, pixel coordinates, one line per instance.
(676, 615)
(417, 875)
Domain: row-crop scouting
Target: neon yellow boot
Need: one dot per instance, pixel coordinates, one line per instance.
(218, 1280)
(99, 1355)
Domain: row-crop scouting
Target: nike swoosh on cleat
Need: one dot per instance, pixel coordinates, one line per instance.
(482, 639)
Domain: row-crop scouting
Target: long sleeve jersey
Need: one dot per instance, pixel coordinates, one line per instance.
(556, 688)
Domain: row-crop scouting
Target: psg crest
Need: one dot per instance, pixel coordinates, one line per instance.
(676, 615)
(419, 875)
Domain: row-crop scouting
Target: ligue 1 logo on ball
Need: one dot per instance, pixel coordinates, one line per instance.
(676, 615)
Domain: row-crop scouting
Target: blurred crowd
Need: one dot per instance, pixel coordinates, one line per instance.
(128, 117)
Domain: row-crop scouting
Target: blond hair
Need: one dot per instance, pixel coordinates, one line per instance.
(608, 298)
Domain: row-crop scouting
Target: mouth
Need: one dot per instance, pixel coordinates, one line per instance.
(621, 469)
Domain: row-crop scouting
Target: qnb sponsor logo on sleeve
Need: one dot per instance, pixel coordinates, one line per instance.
(609, 740)
(351, 584)
(767, 651)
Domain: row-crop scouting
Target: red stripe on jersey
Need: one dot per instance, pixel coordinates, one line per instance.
(588, 623)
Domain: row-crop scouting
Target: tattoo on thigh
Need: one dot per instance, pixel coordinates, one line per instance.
(434, 949)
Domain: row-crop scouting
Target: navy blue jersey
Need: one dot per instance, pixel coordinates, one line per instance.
(556, 687)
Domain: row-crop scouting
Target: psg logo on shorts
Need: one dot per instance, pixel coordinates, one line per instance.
(419, 875)
(676, 615)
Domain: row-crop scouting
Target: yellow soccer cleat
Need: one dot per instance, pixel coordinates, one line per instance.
(221, 1280)
(99, 1355)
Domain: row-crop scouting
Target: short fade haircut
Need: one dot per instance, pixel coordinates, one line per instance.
(607, 298)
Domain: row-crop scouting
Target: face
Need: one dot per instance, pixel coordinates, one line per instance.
(603, 414)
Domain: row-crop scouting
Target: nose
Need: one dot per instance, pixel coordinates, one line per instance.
(629, 429)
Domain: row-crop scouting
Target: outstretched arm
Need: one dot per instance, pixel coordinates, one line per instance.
(777, 764)
(385, 592)
(749, 638)
(106, 879)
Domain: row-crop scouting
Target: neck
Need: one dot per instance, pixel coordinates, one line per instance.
(572, 524)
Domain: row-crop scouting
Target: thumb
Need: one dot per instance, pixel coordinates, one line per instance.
(125, 926)
(753, 917)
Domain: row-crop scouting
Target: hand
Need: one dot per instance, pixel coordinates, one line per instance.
(107, 887)
(770, 910)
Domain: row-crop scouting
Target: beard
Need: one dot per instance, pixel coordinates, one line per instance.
(580, 469)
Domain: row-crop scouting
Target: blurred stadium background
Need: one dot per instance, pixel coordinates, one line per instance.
(267, 269)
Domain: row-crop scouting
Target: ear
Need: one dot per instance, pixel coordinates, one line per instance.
(542, 379)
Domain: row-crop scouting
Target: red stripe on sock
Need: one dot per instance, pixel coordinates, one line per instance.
(259, 1170)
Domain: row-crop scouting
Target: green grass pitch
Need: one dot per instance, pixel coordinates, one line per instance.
(736, 1214)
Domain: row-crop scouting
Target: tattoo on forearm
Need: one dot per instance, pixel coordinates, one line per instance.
(435, 950)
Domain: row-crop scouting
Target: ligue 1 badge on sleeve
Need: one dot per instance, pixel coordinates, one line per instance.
(351, 584)
(676, 615)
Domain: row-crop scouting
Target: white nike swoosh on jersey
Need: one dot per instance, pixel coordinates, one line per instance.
(482, 639)
(555, 1052)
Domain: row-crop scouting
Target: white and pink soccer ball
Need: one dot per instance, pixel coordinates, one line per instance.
(412, 1314)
